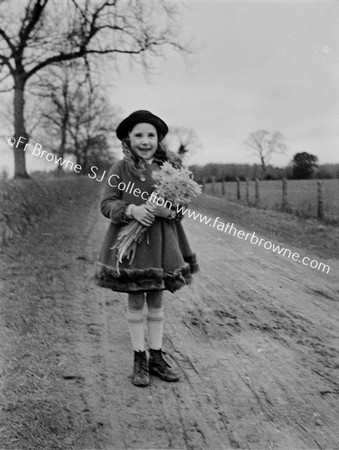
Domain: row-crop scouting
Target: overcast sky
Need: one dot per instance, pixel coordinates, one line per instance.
(259, 65)
(270, 65)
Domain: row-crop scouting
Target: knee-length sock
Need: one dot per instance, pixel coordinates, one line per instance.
(136, 327)
(155, 322)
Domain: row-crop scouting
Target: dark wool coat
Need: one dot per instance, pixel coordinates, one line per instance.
(163, 259)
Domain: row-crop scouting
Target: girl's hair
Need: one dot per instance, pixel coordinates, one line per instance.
(137, 165)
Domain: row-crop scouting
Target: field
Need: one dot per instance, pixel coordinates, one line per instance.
(301, 194)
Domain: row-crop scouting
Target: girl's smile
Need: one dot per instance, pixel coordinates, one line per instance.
(144, 140)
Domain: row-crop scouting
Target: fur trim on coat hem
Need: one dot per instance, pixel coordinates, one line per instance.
(192, 261)
(136, 280)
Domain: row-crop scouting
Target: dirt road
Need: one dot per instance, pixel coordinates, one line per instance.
(255, 338)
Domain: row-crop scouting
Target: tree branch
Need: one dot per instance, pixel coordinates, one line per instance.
(7, 63)
(52, 118)
(7, 90)
(36, 13)
(79, 54)
(7, 40)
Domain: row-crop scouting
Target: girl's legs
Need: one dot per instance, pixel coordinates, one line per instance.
(135, 320)
(155, 319)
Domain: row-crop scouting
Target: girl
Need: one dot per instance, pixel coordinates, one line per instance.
(163, 259)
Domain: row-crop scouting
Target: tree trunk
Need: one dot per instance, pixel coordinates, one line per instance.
(85, 156)
(263, 165)
(62, 146)
(78, 154)
(19, 128)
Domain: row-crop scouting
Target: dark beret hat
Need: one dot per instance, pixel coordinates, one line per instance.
(141, 116)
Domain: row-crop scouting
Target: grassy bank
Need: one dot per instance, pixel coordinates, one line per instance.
(24, 202)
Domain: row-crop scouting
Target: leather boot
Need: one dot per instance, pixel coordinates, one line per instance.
(140, 370)
(160, 367)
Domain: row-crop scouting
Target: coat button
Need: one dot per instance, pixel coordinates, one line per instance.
(142, 178)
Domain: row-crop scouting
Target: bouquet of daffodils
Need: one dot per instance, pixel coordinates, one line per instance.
(171, 185)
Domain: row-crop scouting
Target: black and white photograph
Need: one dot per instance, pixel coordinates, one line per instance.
(169, 224)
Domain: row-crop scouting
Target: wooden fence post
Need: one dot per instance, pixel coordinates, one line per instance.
(247, 192)
(320, 200)
(257, 193)
(203, 189)
(213, 185)
(284, 194)
(238, 189)
(223, 190)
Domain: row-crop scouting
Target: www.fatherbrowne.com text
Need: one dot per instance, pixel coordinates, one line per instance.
(229, 228)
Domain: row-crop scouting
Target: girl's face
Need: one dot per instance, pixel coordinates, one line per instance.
(144, 140)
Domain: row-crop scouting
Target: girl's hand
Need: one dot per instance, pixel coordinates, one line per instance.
(161, 211)
(143, 214)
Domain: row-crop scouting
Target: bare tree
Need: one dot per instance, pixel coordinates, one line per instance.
(74, 117)
(45, 32)
(182, 140)
(56, 89)
(265, 144)
(92, 122)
